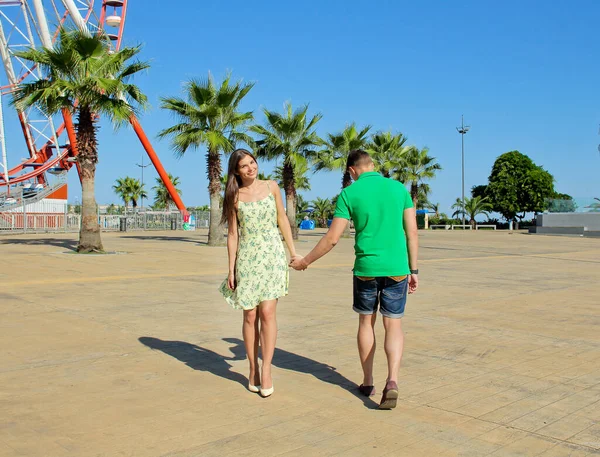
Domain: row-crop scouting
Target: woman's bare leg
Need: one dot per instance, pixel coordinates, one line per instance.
(268, 338)
(251, 334)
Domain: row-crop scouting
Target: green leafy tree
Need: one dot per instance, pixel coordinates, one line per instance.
(479, 191)
(419, 166)
(162, 197)
(85, 77)
(323, 210)
(334, 154)
(209, 115)
(387, 151)
(472, 208)
(518, 186)
(290, 137)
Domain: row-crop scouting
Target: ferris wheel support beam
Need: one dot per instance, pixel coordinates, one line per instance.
(3, 144)
(76, 15)
(80, 23)
(46, 39)
(12, 79)
(43, 24)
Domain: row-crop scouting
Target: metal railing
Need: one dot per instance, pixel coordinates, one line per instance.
(48, 217)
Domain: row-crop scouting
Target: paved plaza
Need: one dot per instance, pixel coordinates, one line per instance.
(136, 353)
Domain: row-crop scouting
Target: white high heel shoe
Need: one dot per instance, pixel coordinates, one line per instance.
(267, 392)
(253, 389)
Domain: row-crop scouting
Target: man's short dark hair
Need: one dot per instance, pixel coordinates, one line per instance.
(358, 158)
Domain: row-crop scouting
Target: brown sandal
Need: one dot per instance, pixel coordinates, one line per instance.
(367, 391)
(390, 396)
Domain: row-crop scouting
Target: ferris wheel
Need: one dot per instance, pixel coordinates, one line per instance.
(35, 148)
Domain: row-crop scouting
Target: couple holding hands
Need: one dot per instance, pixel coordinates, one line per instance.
(385, 267)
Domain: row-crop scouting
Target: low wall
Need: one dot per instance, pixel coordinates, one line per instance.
(587, 221)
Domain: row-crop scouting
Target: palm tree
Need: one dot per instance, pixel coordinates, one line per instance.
(162, 197)
(291, 137)
(387, 151)
(334, 155)
(300, 171)
(418, 166)
(435, 207)
(122, 189)
(136, 191)
(84, 76)
(472, 208)
(423, 197)
(264, 177)
(323, 210)
(130, 190)
(301, 207)
(209, 115)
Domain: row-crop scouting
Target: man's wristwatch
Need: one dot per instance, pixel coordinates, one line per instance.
(414, 272)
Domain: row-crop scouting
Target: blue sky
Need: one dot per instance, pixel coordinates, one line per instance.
(524, 74)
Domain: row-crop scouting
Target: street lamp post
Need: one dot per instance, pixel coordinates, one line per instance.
(463, 129)
(142, 166)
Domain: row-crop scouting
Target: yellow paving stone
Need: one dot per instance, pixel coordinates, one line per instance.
(137, 354)
(590, 437)
(566, 450)
(531, 445)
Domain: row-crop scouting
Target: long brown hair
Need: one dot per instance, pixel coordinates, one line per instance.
(233, 184)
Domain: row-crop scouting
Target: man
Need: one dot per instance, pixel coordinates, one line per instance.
(385, 267)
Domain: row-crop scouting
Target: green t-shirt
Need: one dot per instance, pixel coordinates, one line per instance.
(376, 206)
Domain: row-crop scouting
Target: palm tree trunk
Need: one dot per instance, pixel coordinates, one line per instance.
(414, 193)
(215, 232)
(89, 233)
(290, 197)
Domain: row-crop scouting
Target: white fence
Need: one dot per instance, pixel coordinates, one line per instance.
(45, 218)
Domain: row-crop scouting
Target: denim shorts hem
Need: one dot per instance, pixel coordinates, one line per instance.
(364, 312)
(392, 316)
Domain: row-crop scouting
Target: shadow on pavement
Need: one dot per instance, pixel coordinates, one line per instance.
(202, 359)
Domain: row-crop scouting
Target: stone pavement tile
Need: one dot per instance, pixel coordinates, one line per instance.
(589, 437)
(503, 435)
(557, 410)
(284, 435)
(465, 432)
(479, 408)
(473, 448)
(455, 402)
(373, 449)
(23, 441)
(427, 447)
(591, 412)
(528, 446)
(513, 411)
(566, 450)
(566, 427)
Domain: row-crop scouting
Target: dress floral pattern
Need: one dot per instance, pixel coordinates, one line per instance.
(261, 269)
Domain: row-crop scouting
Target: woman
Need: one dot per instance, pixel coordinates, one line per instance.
(258, 268)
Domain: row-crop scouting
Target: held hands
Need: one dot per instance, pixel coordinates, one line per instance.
(413, 283)
(297, 262)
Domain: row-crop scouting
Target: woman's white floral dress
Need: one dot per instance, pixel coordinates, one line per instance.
(261, 269)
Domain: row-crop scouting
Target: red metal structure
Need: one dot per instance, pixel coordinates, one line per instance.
(51, 142)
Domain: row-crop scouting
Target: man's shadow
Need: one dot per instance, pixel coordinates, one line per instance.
(199, 358)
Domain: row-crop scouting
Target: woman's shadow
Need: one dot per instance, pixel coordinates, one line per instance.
(199, 358)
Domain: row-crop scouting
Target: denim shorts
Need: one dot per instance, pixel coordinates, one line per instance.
(387, 293)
